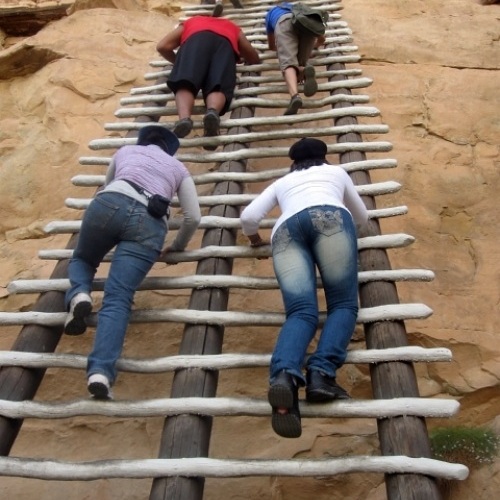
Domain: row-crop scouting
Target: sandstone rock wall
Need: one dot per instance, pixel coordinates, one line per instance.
(435, 67)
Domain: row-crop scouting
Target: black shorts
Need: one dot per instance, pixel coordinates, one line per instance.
(206, 62)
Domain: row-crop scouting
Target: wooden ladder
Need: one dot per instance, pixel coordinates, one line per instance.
(220, 331)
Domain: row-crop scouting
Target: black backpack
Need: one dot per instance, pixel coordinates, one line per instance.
(309, 21)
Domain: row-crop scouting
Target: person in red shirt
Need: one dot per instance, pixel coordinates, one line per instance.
(209, 48)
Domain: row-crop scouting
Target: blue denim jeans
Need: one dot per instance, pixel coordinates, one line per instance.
(322, 237)
(114, 220)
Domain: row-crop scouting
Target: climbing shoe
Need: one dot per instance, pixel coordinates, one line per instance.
(80, 307)
(310, 84)
(183, 127)
(294, 105)
(218, 9)
(321, 388)
(211, 125)
(283, 397)
(98, 385)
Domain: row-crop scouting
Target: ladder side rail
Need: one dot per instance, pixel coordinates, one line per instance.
(398, 436)
(186, 436)
(21, 383)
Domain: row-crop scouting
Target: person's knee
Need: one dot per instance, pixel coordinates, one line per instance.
(185, 86)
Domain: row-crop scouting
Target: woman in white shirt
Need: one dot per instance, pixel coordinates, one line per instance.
(320, 209)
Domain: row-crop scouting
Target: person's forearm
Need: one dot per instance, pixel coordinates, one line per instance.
(188, 200)
(110, 172)
(169, 43)
(184, 234)
(169, 55)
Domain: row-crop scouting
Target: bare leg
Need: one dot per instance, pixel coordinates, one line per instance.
(290, 75)
(184, 100)
(216, 100)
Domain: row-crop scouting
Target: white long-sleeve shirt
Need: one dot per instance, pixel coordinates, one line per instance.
(319, 185)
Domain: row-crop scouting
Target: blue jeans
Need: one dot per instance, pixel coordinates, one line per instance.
(114, 220)
(322, 237)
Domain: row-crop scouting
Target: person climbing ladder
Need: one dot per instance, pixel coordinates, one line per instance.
(129, 215)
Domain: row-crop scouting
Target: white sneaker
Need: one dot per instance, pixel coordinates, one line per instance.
(99, 386)
(79, 307)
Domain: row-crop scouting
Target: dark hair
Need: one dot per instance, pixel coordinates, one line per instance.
(305, 164)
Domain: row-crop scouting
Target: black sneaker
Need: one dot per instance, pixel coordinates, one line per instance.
(310, 83)
(183, 127)
(218, 9)
(294, 105)
(237, 4)
(321, 388)
(211, 126)
(283, 397)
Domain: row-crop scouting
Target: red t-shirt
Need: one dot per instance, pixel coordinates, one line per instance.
(218, 25)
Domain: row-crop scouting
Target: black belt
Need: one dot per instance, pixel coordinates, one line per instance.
(138, 188)
(158, 206)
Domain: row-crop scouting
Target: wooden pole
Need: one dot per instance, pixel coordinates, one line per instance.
(19, 383)
(186, 436)
(404, 435)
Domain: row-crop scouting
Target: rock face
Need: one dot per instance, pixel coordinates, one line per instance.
(18, 19)
(435, 68)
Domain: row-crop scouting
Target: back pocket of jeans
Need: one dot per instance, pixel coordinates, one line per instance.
(281, 239)
(100, 212)
(326, 221)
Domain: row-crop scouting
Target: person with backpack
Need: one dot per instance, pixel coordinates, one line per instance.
(130, 215)
(294, 47)
(320, 213)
